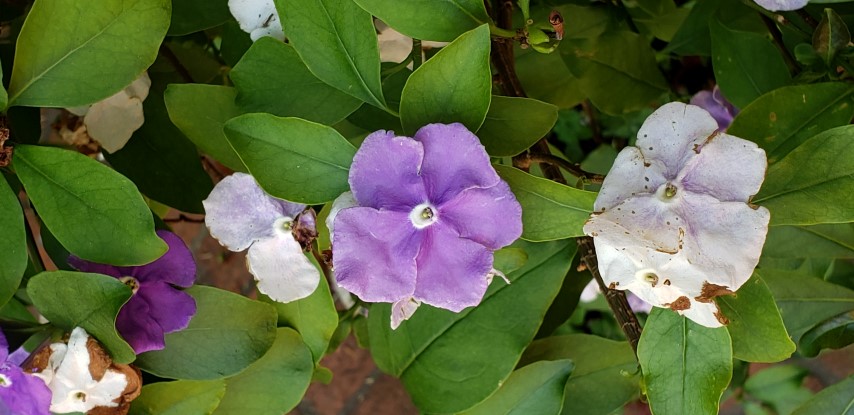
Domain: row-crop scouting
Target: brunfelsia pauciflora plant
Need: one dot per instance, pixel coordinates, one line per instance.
(450, 178)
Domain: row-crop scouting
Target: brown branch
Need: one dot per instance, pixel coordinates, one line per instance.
(567, 165)
(778, 41)
(807, 18)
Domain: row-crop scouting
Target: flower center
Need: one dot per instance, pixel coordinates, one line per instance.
(647, 275)
(5, 382)
(667, 192)
(78, 395)
(131, 282)
(423, 216)
(283, 225)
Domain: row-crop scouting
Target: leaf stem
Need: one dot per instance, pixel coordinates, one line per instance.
(777, 36)
(629, 21)
(572, 168)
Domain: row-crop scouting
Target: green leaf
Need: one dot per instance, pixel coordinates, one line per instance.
(180, 397)
(836, 399)
(617, 71)
(271, 70)
(779, 387)
(283, 154)
(686, 366)
(190, 16)
(96, 213)
(831, 36)
(835, 333)
(805, 301)
(274, 384)
(92, 301)
(816, 241)
(227, 334)
(601, 382)
(784, 118)
(534, 389)
(746, 64)
(546, 78)
(449, 362)
(813, 183)
(514, 124)
(4, 97)
(755, 325)
(13, 242)
(86, 55)
(692, 38)
(455, 85)
(453, 17)
(338, 42)
(371, 118)
(163, 164)
(200, 111)
(549, 210)
(314, 317)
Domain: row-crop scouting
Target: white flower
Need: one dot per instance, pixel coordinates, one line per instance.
(672, 222)
(71, 383)
(782, 5)
(111, 122)
(257, 17)
(241, 215)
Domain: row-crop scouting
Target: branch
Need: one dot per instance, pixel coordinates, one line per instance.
(176, 63)
(572, 168)
(778, 41)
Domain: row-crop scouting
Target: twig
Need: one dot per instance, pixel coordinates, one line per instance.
(808, 19)
(183, 218)
(632, 26)
(616, 298)
(778, 40)
(572, 168)
(416, 53)
(176, 63)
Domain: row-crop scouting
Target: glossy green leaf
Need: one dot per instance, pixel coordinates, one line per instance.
(805, 301)
(686, 366)
(4, 97)
(96, 213)
(602, 381)
(314, 317)
(617, 71)
(780, 387)
(836, 399)
(283, 154)
(514, 124)
(546, 78)
(820, 193)
(200, 111)
(372, 118)
(163, 164)
(817, 241)
(550, 210)
(338, 42)
(272, 78)
(831, 36)
(455, 85)
(88, 54)
(13, 242)
(693, 38)
(410, 17)
(92, 301)
(274, 384)
(181, 397)
(449, 362)
(190, 16)
(755, 325)
(835, 333)
(228, 333)
(784, 118)
(566, 301)
(534, 389)
(746, 64)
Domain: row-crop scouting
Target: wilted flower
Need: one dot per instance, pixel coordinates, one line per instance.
(241, 215)
(20, 392)
(157, 306)
(257, 17)
(712, 101)
(782, 5)
(430, 212)
(672, 222)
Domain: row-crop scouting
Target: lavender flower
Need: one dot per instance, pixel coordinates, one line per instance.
(241, 215)
(673, 223)
(157, 306)
(20, 393)
(712, 101)
(782, 5)
(429, 212)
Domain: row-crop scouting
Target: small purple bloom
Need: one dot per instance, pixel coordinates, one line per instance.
(721, 110)
(430, 211)
(20, 393)
(157, 306)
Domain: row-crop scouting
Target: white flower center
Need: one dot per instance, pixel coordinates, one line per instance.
(283, 225)
(130, 282)
(5, 382)
(648, 276)
(423, 216)
(77, 395)
(667, 192)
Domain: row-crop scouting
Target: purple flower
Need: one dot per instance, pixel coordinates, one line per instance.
(721, 110)
(157, 306)
(782, 5)
(430, 211)
(20, 393)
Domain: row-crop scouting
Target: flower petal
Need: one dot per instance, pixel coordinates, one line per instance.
(171, 308)
(281, 269)
(713, 101)
(491, 217)
(630, 174)
(137, 326)
(451, 270)
(345, 201)
(705, 314)
(671, 133)
(402, 310)
(640, 220)
(110, 387)
(374, 253)
(729, 168)
(238, 212)
(782, 5)
(256, 17)
(176, 266)
(385, 172)
(27, 394)
(454, 160)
